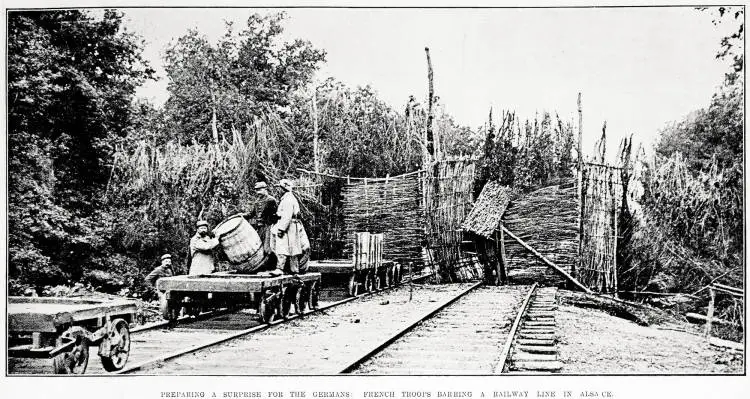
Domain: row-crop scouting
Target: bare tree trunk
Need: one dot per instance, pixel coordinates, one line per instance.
(316, 151)
(430, 98)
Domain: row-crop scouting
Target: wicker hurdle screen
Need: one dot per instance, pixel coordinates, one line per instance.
(391, 206)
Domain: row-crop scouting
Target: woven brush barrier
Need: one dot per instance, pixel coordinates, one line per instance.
(322, 214)
(448, 200)
(602, 194)
(547, 219)
(392, 207)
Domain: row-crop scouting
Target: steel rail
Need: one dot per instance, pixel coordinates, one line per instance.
(262, 327)
(359, 360)
(505, 354)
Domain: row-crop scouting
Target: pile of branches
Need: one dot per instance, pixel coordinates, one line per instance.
(546, 219)
(486, 216)
(389, 206)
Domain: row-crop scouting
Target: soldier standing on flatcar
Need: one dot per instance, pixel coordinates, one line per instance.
(290, 237)
(201, 250)
(262, 219)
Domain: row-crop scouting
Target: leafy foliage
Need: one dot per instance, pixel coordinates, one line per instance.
(527, 154)
(238, 78)
(71, 77)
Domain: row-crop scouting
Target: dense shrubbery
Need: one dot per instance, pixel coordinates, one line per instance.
(527, 154)
(71, 77)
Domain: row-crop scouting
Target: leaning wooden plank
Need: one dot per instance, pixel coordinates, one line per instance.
(700, 317)
(547, 261)
(722, 343)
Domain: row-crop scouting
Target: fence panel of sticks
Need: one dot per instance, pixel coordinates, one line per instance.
(392, 206)
(546, 219)
(601, 193)
(447, 201)
(322, 214)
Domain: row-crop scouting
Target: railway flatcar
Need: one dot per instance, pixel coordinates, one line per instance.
(367, 271)
(271, 297)
(62, 329)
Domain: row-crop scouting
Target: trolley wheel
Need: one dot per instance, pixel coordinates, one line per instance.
(368, 282)
(387, 277)
(375, 281)
(300, 300)
(397, 274)
(168, 311)
(118, 339)
(353, 285)
(266, 310)
(284, 303)
(313, 294)
(76, 360)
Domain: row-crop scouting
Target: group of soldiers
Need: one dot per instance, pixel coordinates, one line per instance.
(284, 240)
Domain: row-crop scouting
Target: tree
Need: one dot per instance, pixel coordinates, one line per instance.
(71, 78)
(235, 80)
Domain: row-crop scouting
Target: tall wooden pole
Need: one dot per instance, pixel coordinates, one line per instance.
(430, 98)
(316, 151)
(580, 189)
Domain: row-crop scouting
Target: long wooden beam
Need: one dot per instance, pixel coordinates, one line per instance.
(547, 261)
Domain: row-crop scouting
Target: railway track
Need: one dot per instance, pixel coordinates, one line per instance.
(161, 342)
(321, 344)
(443, 330)
(520, 320)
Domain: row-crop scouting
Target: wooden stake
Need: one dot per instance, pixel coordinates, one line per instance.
(430, 99)
(710, 315)
(502, 270)
(579, 176)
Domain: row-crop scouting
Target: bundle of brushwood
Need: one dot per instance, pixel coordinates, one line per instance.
(389, 206)
(546, 219)
(486, 215)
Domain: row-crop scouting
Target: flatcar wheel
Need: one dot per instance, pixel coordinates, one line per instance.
(312, 296)
(397, 274)
(76, 360)
(300, 300)
(375, 282)
(368, 282)
(265, 311)
(284, 303)
(386, 277)
(118, 340)
(389, 274)
(168, 311)
(353, 285)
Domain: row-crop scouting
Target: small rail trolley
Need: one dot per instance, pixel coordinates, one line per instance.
(62, 329)
(366, 271)
(272, 297)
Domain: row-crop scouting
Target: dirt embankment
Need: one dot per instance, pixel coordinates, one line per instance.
(594, 342)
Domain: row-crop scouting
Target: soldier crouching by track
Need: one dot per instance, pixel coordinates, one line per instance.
(201, 250)
(163, 270)
(290, 238)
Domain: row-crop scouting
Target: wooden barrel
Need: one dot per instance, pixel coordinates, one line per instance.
(240, 241)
